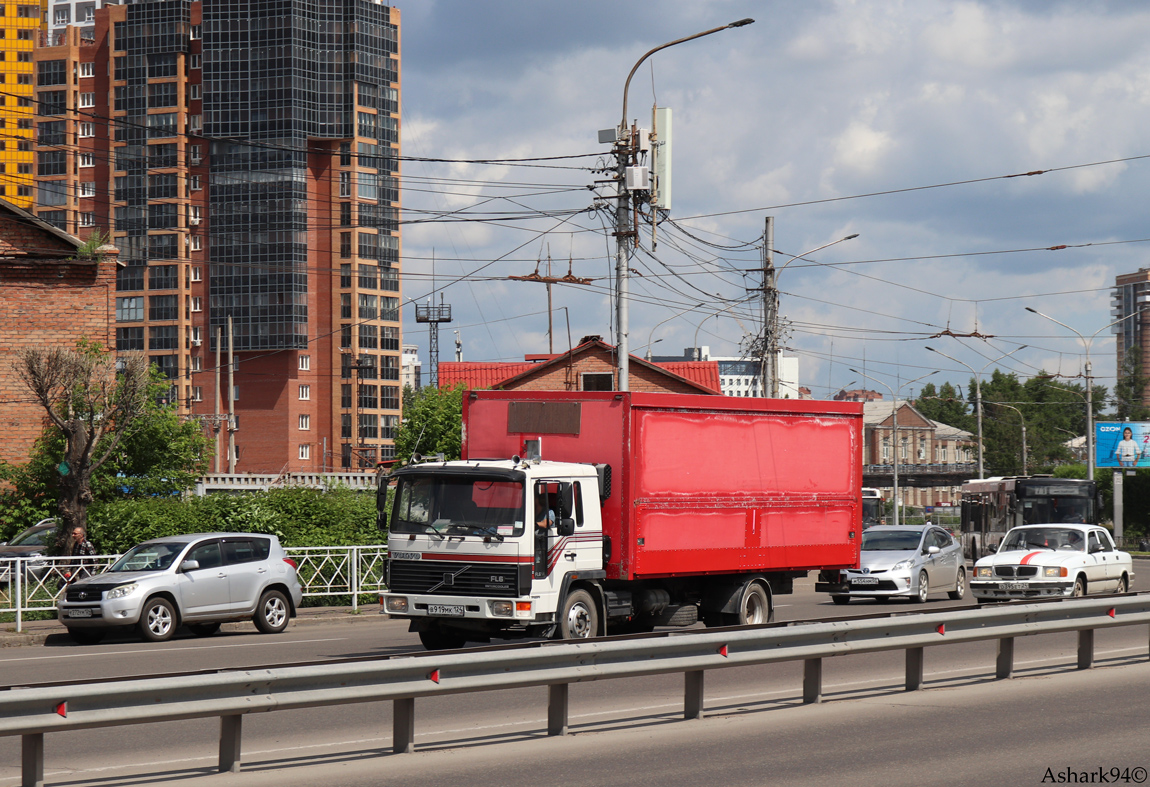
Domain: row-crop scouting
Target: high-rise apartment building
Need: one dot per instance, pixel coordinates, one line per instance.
(20, 28)
(243, 155)
(1132, 296)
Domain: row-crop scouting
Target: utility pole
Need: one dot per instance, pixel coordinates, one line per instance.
(219, 410)
(231, 398)
(768, 373)
(549, 280)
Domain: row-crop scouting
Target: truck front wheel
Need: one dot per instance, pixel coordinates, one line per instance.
(754, 607)
(436, 638)
(579, 618)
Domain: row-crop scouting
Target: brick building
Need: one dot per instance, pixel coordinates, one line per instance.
(245, 166)
(588, 367)
(46, 297)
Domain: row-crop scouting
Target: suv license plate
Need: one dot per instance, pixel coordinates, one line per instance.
(864, 580)
(1012, 586)
(79, 613)
(449, 610)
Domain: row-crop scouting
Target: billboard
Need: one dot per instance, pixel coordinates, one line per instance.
(1122, 444)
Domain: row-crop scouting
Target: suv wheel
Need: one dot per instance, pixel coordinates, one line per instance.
(272, 613)
(158, 620)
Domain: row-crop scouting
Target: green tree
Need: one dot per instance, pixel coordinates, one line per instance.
(1131, 388)
(944, 405)
(432, 423)
(111, 434)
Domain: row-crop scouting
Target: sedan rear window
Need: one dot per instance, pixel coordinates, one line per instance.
(246, 550)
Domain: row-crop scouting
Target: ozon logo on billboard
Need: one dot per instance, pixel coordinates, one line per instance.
(1122, 444)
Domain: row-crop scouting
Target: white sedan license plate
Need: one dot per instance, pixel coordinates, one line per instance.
(1012, 586)
(864, 580)
(78, 613)
(450, 610)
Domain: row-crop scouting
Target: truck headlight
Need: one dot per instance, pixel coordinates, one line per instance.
(1054, 571)
(121, 591)
(397, 603)
(502, 609)
(983, 571)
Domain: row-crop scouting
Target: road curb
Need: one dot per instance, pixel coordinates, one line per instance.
(36, 632)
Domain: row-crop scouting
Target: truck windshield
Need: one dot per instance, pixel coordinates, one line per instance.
(457, 505)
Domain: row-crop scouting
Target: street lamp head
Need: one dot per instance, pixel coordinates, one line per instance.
(1033, 311)
(742, 23)
(851, 237)
(932, 349)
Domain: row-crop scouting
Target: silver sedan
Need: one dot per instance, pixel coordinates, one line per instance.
(903, 561)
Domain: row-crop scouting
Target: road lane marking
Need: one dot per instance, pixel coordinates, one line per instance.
(90, 654)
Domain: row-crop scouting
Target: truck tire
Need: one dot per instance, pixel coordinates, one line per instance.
(436, 638)
(754, 607)
(578, 619)
(841, 599)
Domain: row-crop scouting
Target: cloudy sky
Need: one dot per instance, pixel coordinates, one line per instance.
(895, 120)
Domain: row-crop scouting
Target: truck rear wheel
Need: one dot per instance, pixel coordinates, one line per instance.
(579, 619)
(754, 606)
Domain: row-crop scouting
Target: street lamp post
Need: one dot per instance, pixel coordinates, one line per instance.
(978, 395)
(894, 426)
(651, 335)
(771, 310)
(1089, 385)
(624, 151)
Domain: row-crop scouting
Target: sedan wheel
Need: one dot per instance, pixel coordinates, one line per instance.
(1079, 588)
(923, 588)
(959, 586)
(1123, 586)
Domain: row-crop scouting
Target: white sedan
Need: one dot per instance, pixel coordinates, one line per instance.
(1052, 560)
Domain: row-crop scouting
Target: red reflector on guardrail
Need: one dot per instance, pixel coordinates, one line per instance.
(434, 676)
(723, 651)
(62, 709)
(942, 628)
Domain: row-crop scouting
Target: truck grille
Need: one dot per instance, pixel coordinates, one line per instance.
(451, 578)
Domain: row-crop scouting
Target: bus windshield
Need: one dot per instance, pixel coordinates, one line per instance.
(459, 505)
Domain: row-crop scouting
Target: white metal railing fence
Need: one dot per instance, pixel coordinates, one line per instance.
(33, 584)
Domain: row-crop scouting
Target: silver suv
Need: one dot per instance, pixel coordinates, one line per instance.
(200, 580)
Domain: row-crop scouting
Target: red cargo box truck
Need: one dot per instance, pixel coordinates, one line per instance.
(574, 514)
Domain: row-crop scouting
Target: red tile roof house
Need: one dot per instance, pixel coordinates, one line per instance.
(588, 367)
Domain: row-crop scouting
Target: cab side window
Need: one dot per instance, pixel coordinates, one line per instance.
(207, 553)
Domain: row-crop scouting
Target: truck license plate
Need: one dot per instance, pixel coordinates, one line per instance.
(1012, 586)
(450, 610)
(864, 580)
(79, 613)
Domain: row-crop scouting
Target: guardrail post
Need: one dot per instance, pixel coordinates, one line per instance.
(231, 729)
(812, 681)
(914, 669)
(1004, 665)
(693, 694)
(557, 695)
(18, 574)
(1086, 649)
(32, 760)
(403, 725)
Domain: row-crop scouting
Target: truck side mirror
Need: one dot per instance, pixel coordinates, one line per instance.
(566, 527)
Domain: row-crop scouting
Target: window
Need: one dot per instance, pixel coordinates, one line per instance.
(88, 189)
(345, 253)
(53, 162)
(345, 306)
(87, 129)
(304, 451)
(368, 336)
(368, 309)
(87, 100)
(886, 449)
(197, 303)
(62, 16)
(197, 364)
(304, 363)
(196, 243)
(28, 11)
(88, 219)
(24, 169)
(163, 307)
(87, 160)
(235, 393)
(194, 183)
(197, 61)
(345, 426)
(368, 426)
(369, 397)
(197, 273)
(304, 393)
(195, 123)
(130, 310)
(197, 336)
(194, 92)
(344, 336)
(345, 397)
(197, 393)
(87, 70)
(163, 337)
(304, 422)
(194, 154)
(345, 184)
(197, 32)
(128, 339)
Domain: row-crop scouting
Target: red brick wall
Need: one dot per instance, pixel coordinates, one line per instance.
(44, 303)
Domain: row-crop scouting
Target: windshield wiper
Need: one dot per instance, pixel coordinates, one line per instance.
(489, 531)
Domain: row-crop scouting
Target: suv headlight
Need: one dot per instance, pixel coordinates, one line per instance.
(903, 564)
(122, 590)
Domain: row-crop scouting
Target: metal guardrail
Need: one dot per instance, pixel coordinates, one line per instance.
(33, 712)
(33, 584)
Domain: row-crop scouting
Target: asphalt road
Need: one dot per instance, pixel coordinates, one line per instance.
(963, 728)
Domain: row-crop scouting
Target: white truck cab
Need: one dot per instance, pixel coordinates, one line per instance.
(487, 548)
